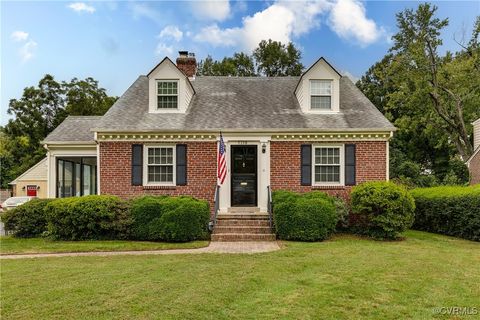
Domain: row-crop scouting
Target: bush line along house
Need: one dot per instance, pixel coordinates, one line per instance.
(313, 132)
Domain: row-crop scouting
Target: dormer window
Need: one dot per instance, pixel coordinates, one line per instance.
(167, 94)
(321, 94)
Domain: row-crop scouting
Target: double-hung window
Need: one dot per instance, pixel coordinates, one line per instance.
(328, 164)
(167, 94)
(321, 94)
(160, 168)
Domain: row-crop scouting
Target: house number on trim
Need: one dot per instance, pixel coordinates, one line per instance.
(242, 142)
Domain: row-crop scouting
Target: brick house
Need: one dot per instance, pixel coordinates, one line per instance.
(313, 132)
(473, 162)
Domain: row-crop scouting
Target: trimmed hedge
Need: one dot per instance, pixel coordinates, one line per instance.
(27, 220)
(381, 210)
(310, 216)
(453, 211)
(174, 219)
(88, 217)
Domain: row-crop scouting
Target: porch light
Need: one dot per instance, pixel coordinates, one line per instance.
(264, 148)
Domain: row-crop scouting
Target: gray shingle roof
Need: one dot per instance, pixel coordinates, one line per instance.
(75, 129)
(227, 104)
(242, 103)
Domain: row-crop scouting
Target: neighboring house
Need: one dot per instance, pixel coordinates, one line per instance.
(314, 132)
(473, 162)
(32, 182)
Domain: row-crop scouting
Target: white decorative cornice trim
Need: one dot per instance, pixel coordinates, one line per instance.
(375, 136)
(155, 137)
(169, 137)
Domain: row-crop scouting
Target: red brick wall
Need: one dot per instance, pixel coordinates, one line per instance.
(115, 169)
(285, 166)
(475, 169)
(115, 172)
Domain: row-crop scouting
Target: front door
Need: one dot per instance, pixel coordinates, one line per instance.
(244, 175)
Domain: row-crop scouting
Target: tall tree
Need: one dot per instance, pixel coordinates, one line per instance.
(276, 59)
(412, 93)
(84, 97)
(416, 47)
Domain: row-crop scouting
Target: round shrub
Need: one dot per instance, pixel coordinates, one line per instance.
(88, 217)
(146, 213)
(382, 210)
(27, 220)
(174, 219)
(308, 217)
(184, 219)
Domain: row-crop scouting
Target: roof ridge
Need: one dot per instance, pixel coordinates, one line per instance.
(82, 117)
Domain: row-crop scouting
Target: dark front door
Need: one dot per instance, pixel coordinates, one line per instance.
(244, 175)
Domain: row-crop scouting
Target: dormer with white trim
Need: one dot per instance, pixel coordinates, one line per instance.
(169, 89)
(318, 90)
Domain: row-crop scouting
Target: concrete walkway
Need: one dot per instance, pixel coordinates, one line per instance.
(214, 247)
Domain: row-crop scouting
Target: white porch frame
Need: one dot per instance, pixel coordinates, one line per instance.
(56, 151)
(263, 169)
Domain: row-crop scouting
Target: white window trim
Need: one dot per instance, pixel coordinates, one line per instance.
(315, 110)
(170, 95)
(145, 165)
(342, 165)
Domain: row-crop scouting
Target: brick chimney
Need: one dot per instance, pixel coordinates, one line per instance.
(187, 63)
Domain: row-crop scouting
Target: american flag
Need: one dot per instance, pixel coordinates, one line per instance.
(221, 162)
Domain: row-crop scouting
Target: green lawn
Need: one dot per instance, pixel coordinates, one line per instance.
(10, 245)
(344, 278)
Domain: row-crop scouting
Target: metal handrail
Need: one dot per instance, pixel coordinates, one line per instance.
(269, 206)
(216, 206)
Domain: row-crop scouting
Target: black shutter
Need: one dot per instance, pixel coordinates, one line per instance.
(306, 164)
(137, 164)
(350, 179)
(181, 164)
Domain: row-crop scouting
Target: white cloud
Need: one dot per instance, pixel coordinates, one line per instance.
(27, 50)
(171, 32)
(29, 46)
(81, 7)
(280, 22)
(218, 37)
(285, 20)
(348, 19)
(19, 36)
(211, 10)
(164, 50)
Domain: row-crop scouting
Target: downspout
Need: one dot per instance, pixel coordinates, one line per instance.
(48, 170)
(98, 161)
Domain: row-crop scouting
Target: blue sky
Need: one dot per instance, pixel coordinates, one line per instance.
(114, 42)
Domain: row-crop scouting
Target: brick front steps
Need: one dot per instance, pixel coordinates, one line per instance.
(243, 225)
